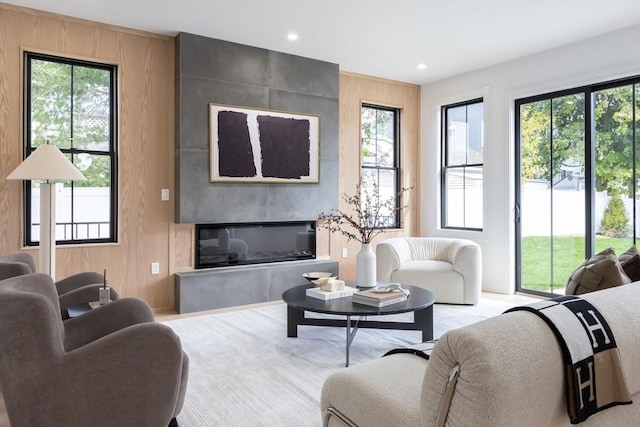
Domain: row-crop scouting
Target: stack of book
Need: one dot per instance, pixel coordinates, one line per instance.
(327, 295)
(379, 299)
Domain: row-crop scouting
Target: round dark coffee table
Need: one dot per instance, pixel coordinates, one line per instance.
(420, 302)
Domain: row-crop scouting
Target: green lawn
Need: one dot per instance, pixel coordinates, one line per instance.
(568, 254)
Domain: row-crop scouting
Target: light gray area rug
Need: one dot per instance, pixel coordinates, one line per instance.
(244, 371)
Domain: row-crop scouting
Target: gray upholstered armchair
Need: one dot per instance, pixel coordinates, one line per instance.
(113, 366)
(75, 289)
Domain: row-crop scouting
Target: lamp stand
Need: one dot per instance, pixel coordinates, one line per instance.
(48, 229)
(49, 164)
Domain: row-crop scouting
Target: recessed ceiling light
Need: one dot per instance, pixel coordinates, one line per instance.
(422, 66)
(292, 36)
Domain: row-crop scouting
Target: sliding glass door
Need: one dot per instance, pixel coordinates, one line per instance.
(615, 166)
(576, 180)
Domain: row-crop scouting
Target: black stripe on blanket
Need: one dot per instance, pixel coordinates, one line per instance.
(593, 374)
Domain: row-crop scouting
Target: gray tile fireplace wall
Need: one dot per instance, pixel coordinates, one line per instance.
(221, 72)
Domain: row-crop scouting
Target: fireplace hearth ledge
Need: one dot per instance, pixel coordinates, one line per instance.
(221, 287)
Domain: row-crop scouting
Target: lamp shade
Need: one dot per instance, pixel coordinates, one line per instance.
(47, 163)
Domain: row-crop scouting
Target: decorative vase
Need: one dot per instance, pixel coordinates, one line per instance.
(366, 267)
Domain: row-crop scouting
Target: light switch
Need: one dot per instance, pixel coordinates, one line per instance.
(344, 252)
(165, 194)
(155, 268)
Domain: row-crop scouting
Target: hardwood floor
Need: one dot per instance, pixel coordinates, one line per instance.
(164, 316)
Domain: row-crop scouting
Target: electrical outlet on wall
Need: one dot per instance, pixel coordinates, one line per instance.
(155, 268)
(344, 252)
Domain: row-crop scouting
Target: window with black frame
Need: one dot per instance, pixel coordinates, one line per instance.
(72, 104)
(380, 160)
(462, 165)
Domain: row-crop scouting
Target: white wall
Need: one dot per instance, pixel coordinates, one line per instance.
(610, 56)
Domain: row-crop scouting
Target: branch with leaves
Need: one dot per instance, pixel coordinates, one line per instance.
(365, 218)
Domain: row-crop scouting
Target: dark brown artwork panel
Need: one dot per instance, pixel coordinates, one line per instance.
(285, 147)
(251, 145)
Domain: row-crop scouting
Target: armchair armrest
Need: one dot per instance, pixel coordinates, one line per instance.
(13, 269)
(83, 294)
(467, 260)
(390, 255)
(131, 377)
(105, 320)
(78, 280)
(380, 392)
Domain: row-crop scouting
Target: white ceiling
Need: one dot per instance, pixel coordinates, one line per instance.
(384, 38)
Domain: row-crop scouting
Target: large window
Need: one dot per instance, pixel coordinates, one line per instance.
(72, 104)
(380, 158)
(462, 165)
(577, 172)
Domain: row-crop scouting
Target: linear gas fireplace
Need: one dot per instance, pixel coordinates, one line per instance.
(221, 245)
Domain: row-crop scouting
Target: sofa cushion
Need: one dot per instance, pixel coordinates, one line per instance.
(438, 277)
(601, 271)
(630, 260)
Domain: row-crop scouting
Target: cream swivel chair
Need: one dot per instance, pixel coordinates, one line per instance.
(450, 268)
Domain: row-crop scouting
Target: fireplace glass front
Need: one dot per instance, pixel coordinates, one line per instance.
(220, 245)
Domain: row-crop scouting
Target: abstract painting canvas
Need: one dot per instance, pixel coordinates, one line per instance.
(251, 145)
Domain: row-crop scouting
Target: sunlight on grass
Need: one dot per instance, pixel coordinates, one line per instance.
(568, 254)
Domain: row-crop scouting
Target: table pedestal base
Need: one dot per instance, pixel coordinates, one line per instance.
(422, 321)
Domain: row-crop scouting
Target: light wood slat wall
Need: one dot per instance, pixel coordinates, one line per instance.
(182, 248)
(146, 136)
(147, 232)
(355, 90)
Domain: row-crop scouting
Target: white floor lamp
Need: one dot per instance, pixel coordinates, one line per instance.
(47, 163)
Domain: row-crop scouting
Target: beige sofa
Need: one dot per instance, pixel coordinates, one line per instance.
(510, 374)
(450, 268)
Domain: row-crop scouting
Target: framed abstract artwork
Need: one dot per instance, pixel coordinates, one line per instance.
(251, 145)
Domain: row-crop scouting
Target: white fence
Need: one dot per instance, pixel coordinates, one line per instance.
(568, 211)
(90, 213)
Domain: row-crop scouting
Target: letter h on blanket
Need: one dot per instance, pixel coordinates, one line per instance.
(592, 328)
(594, 379)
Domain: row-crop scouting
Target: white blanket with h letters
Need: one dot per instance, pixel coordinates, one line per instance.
(594, 379)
